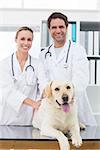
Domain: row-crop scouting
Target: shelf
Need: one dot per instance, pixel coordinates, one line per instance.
(89, 26)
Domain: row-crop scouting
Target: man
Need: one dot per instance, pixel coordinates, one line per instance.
(66, 60)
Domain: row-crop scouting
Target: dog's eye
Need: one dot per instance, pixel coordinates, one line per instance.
(57, 89)
(68, 87)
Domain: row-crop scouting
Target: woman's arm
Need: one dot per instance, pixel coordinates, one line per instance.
(30, 102)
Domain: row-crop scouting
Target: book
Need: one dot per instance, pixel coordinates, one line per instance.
(96, 42)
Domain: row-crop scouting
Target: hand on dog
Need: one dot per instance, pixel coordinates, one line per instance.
(36, 104)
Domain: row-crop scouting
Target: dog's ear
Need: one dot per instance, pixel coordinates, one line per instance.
(47, 91)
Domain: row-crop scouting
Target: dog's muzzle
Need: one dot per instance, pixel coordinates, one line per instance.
(64, 106)
(65, 99)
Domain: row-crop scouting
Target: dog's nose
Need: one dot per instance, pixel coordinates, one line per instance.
(65, 98)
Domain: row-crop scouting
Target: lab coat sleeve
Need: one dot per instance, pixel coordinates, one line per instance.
(44, 62)
(80, 69)
(10, 95)
(42, 56)
(42, 79)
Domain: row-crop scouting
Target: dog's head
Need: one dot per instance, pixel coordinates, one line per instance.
(60, 94)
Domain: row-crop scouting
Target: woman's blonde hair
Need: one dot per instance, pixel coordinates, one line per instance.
(23, 28)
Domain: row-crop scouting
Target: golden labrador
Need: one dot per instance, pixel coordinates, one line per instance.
(57, 114)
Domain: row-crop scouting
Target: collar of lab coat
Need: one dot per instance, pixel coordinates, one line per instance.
(62, 54)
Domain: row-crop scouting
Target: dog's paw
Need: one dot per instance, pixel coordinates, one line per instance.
(77, 141)
(82, 126)
(64, 144)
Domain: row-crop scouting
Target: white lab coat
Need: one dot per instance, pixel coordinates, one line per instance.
(75, 70)
(16, 89)
(16, 132)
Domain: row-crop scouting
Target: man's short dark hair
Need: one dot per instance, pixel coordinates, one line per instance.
(56, 15)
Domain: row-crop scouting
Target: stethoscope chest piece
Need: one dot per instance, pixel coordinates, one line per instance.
(65, 65)
(29, 66)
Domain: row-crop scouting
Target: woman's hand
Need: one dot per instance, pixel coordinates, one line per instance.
(36, 104)
(33, 104)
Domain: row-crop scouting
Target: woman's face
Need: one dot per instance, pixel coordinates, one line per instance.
(24, 41)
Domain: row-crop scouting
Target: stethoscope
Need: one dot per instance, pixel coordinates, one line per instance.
(50, 54)
(12, 65)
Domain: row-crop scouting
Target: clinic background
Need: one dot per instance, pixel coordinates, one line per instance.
(33, 13)
(14, 14)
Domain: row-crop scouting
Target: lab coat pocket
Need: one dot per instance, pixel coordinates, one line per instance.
(65, 72)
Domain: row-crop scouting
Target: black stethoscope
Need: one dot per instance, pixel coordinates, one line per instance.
(48, 52)
(12, 64)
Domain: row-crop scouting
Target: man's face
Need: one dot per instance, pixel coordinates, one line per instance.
(58, 31)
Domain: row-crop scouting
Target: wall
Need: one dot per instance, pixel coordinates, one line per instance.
(19, 17)
(34, 17)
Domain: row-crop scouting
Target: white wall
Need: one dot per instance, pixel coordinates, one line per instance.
(34, 17)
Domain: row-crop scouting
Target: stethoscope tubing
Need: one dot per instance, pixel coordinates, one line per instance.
(12, 64)
(48, 52)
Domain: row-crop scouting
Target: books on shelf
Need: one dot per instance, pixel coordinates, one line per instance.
(96, 42)
(71, 34)
(94, 70)
(98, 72)
(84, 40)
(90, 40)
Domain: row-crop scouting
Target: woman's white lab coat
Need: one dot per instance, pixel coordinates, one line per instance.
(15, 89)
(75, 70)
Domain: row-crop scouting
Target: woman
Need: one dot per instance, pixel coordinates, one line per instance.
(22, 80)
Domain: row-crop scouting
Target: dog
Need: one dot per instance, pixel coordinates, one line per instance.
(57, 114)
